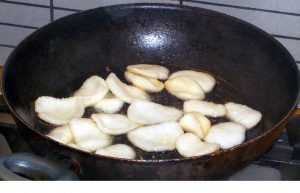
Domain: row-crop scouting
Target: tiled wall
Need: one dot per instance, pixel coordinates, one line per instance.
(277, 17)
(18, 18)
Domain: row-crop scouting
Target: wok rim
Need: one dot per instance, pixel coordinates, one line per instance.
(212, 13)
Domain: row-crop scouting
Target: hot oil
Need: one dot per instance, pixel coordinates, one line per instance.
(222, 93)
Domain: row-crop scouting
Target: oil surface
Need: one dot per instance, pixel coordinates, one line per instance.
(223, 92)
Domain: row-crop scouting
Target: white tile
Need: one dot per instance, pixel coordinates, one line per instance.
(24, 15)
(89, 4)
(4, 53)
(13, 35)
(271, 22)
(60, 13)
(292, 6)
(293, 46)
(38, 2)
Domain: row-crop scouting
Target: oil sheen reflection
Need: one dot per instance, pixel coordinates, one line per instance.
(153, 40)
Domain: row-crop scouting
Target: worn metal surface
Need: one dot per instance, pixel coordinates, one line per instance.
(32, 167)
(251, 67)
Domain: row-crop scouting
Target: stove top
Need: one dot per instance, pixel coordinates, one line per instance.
(281, 162)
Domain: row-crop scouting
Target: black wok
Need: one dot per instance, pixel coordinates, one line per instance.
(251, 67)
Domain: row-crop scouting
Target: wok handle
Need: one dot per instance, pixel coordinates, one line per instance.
(27, 166)
(293, 133)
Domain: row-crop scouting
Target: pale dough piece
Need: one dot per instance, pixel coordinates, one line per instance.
(145, 83)
(123, 91)
(118, 151)
(156, 138)
(227, 134)
(206, 108)
(59, 111)
(189, 145)
(114, 124)
(87, 135)
(109, 104)
(73, 145)
(137, 93)
(61, 134)
(149, 70)
(92, 90)
(147, 113)
(205, 80)
(196, 123)
(243, 114)
(184, 88)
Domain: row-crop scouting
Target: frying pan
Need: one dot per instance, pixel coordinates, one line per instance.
(251, 67)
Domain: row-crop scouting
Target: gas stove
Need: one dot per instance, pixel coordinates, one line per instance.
(280, 162)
